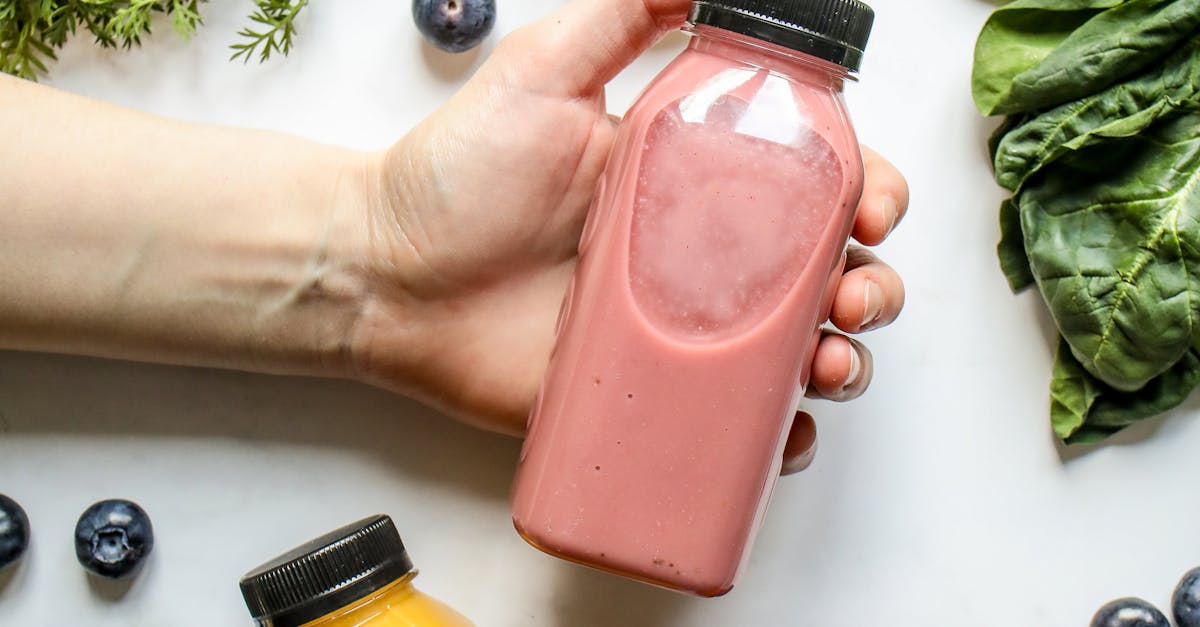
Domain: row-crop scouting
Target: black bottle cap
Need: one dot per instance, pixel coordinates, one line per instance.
(330, 572)
(833, 30)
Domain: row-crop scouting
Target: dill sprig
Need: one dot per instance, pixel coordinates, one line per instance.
(32, 30)
(277, 19)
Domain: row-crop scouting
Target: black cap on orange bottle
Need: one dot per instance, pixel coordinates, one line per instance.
(328, 573)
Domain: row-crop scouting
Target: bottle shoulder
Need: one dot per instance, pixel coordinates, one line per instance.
(398, 605)
(705, 89)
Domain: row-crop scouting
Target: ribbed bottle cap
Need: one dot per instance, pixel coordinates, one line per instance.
(834, 30)
(330, 572)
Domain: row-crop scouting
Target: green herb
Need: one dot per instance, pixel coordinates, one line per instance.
(277, 18)
(31, 30)
(1101, 150)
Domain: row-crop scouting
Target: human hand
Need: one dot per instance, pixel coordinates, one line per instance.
(477, 212)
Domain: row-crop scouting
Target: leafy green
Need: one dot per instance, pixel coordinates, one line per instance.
(1119, 111)
(1073, 392)
(1011, 249)
(1084, 409)
(1017, 37)
(1038, 53)
(31, 30)
(1101, 149)
(1111, 233)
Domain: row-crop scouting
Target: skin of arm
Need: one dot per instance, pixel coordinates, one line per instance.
(434, 269)
(136, 237)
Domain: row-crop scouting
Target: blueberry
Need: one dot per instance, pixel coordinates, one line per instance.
(454, 25)
(1129, 612)
(1185, 602)
(14, 531)
(113, 537)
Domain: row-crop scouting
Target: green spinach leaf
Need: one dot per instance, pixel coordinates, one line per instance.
(1119, 111)
(1073, 391)
(1101, 149)
(1011, 249)
(1105, 48)
(1020, 35)
(1112, 234)
(1084, 409)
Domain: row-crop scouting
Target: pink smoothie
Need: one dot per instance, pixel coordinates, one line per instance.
(704, 275)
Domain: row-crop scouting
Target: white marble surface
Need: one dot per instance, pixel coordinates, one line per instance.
(939, 498)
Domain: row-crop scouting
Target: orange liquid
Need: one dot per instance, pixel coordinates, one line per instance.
(397, 605)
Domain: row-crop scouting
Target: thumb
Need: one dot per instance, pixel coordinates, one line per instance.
(577, 49)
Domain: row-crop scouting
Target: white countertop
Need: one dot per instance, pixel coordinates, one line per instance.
(940, 498)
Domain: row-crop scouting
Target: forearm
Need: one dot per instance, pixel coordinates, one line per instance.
(130, 236)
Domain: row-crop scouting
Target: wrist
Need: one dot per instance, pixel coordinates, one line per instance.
(309, 326)
(395, 338)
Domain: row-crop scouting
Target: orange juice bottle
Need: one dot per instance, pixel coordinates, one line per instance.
(356, 576)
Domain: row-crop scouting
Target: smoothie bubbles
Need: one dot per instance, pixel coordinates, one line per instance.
(706, 268)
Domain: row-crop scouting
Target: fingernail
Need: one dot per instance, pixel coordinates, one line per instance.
(855, 369)
(799, 462)
(891, 212)
(872, 305)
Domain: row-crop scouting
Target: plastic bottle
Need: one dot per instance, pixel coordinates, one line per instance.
(707, 265)
(357, 576)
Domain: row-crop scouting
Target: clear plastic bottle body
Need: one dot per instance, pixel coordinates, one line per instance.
(706, 268)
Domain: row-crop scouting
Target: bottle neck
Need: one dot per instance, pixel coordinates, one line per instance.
(369, 605)
(756, 52)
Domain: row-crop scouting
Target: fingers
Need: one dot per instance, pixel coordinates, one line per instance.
(801, 444)
(576, 50)
(884, 199)
(841, 369)
(870, 294)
